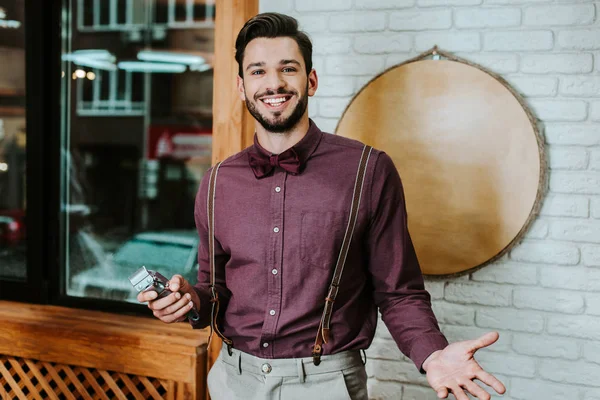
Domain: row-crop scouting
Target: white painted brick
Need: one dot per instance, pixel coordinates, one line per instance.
(435, 288)
(575, 182)
(332, 107)
(595, 208)
(319, 64)
(420, 20)
(459, 333)
(575, 372)
(508, 364)
(354, 65)
(516, 1)
(590, 255)
(545, 346)
(449, 41)
(576, 230)
(548, 300)
(382, 390)
(579, 39)
(595, 111)
(592, 302)
(487, 17)
(537, 230)
(580, 86)
(478, 293)
(546, 252)
(591, 351)
(384, 349)
(499, 63)
(314, 23)
(374, 44)
(559, 205)
(563, 14)
(358, 22)
(528, 389)
(534, 86)
(417, 393)
(330, 44)
(566, 63)
(284, 7)
(510, 319)
(320, 5)
(575, 278)
(454, 314)
(518, 40)
(584, 327)
(592, 395)
(383, 4)
(396, 59)
(507, 272)
(595, 160)
(435, 3)
(568, 158)
(559, 110)
(382, 331)
(400, 371)
(585, 135)
(313, 108)
(326, 124)
(335, 86)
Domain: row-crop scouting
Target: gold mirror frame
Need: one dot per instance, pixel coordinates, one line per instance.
(468, 151)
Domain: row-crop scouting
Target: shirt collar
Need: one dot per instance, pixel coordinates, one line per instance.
(304, 148)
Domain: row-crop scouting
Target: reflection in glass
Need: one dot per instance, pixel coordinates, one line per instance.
(13, 230)
(137, 138)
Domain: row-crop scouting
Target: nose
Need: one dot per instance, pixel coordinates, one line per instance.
(274, 82)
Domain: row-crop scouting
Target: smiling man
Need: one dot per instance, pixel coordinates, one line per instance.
(307, 241)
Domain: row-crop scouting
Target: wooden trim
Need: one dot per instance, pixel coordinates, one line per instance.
(233, 126)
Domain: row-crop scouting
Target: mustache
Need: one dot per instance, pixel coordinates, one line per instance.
(272, 92)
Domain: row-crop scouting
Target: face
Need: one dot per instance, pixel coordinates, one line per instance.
(275, 86)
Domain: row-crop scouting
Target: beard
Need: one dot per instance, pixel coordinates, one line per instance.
(279, 125)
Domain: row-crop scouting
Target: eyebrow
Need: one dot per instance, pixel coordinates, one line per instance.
(281, 62)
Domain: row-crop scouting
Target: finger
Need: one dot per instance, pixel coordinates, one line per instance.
(442, 393)
(483, 341)
(146, 295)
(490, 380)
(176, 283)
(180, 313)
(173, 308)
(458, 393)
(164, 302)
(476, 390)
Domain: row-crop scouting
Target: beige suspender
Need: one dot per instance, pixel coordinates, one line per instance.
(324, 328)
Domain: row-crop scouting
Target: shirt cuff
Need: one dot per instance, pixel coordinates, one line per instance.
(424, 346)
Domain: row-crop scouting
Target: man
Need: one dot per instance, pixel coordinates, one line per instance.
(281, 210)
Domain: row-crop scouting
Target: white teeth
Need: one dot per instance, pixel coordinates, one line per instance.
(277, 101)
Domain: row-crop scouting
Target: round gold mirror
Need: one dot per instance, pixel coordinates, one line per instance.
(468, 152)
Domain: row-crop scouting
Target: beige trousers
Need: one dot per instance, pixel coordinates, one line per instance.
(242, 376)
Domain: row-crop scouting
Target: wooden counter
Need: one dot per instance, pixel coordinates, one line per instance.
(49, 352)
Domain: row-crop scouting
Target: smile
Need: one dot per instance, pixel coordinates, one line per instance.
(276, 102)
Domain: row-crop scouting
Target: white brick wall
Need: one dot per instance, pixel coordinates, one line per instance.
(544, 296)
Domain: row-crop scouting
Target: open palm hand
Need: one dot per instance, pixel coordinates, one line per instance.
(453, 370)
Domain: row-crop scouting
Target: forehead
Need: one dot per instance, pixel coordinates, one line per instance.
(272, 51)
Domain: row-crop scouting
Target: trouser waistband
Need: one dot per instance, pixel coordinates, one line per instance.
(282, 367)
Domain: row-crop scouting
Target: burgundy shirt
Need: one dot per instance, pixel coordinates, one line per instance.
(277, 243)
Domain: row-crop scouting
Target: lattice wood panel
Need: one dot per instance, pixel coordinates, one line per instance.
(31, 379)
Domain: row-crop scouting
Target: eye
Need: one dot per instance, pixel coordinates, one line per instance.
(257, 72)
(289, 69)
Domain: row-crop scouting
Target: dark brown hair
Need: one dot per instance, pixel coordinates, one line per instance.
(272, 25)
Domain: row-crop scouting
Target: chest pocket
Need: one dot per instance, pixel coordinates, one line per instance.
(322, 233)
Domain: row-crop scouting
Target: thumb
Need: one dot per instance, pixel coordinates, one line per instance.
(483, 341)
(178, 283)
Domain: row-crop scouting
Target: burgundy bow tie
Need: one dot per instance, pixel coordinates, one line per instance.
(262, 164)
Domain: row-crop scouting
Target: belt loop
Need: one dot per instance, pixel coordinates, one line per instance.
(364, 360)
(239, 357)
(301, 372)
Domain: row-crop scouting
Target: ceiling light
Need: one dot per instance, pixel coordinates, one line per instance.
(140, 66)
(170, 57)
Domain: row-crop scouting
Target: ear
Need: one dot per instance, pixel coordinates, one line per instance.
(241, 90)
(313, 82)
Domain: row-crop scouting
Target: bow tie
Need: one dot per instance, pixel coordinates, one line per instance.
(262, 164)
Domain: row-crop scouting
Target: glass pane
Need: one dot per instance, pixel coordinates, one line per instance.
(137, 139)
(12, 141)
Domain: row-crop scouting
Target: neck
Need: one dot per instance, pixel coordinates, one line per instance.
(276, 142)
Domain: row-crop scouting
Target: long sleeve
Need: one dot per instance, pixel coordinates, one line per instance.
(399, 291)
(221, 258)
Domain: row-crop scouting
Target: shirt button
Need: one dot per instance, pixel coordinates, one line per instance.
(274, 272)
(278, 189)
(276, 229)
(265, 345)
(266, 368)
(272, 312)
